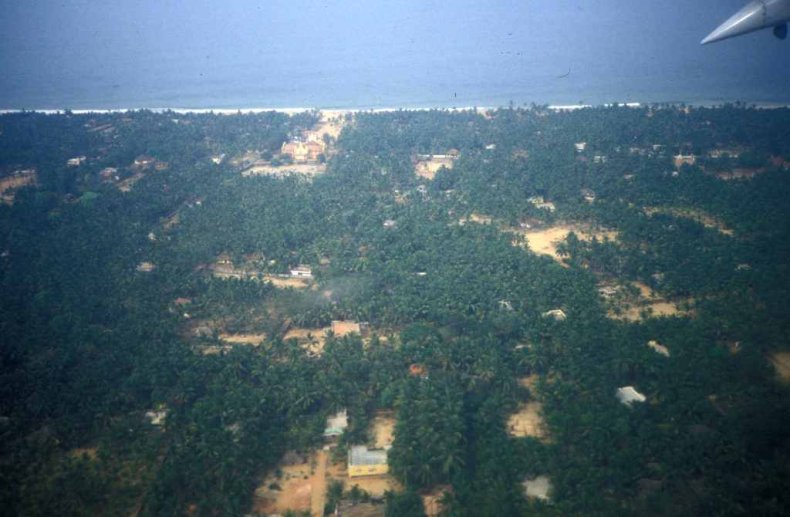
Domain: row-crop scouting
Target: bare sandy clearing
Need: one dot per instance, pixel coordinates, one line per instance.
(427, 166)
(625, 307)
(312, 341)
(242, 339)
(376, 486)
(287, 282)
(344, 328)
(18, 179)
(706, 220)
(527, 421)
(383, 429)
(127, 184)
(215, 349)
(430, 500)
(301, 487)
(530, 382)
(545, 241)
(331, 124)
(781, 361)
(171, 221)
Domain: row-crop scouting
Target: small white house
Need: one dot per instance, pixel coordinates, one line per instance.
(628, 395)
(302, 272)
(336, 424)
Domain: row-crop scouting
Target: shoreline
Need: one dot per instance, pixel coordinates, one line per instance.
(344, 111)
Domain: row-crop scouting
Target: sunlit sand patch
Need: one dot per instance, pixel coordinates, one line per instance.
(312, 341)
(530, 382)
(431, 500)
(427, 166)
(781, 362)
(242, 339)
(646, 303)
(376, 486)
(545, 241)
(287, 282)
(706, 220)
(383, 429)
(527, 421)
(127, 184)
(301, 487)
(344, 328)
(16, 180)
(331, 124)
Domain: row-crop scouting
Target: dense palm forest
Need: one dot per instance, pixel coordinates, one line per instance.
(92, 342)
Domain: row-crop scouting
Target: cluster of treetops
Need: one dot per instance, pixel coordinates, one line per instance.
(89, 344)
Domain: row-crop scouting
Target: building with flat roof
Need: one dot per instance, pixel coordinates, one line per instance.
(366, 462)
(302, 272)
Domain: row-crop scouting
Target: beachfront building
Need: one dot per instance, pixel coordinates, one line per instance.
(366, 462)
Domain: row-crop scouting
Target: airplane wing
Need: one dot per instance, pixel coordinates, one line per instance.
(756, 15)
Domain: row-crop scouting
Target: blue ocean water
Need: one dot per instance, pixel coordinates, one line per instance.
(372, 54)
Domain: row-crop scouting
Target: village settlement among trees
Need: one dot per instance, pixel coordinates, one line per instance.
(506, 312)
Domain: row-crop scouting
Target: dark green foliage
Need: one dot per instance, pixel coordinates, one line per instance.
(88, 344)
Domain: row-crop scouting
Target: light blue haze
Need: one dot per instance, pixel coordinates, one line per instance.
(369, 54)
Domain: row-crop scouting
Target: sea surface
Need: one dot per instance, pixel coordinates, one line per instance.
(373, 54)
